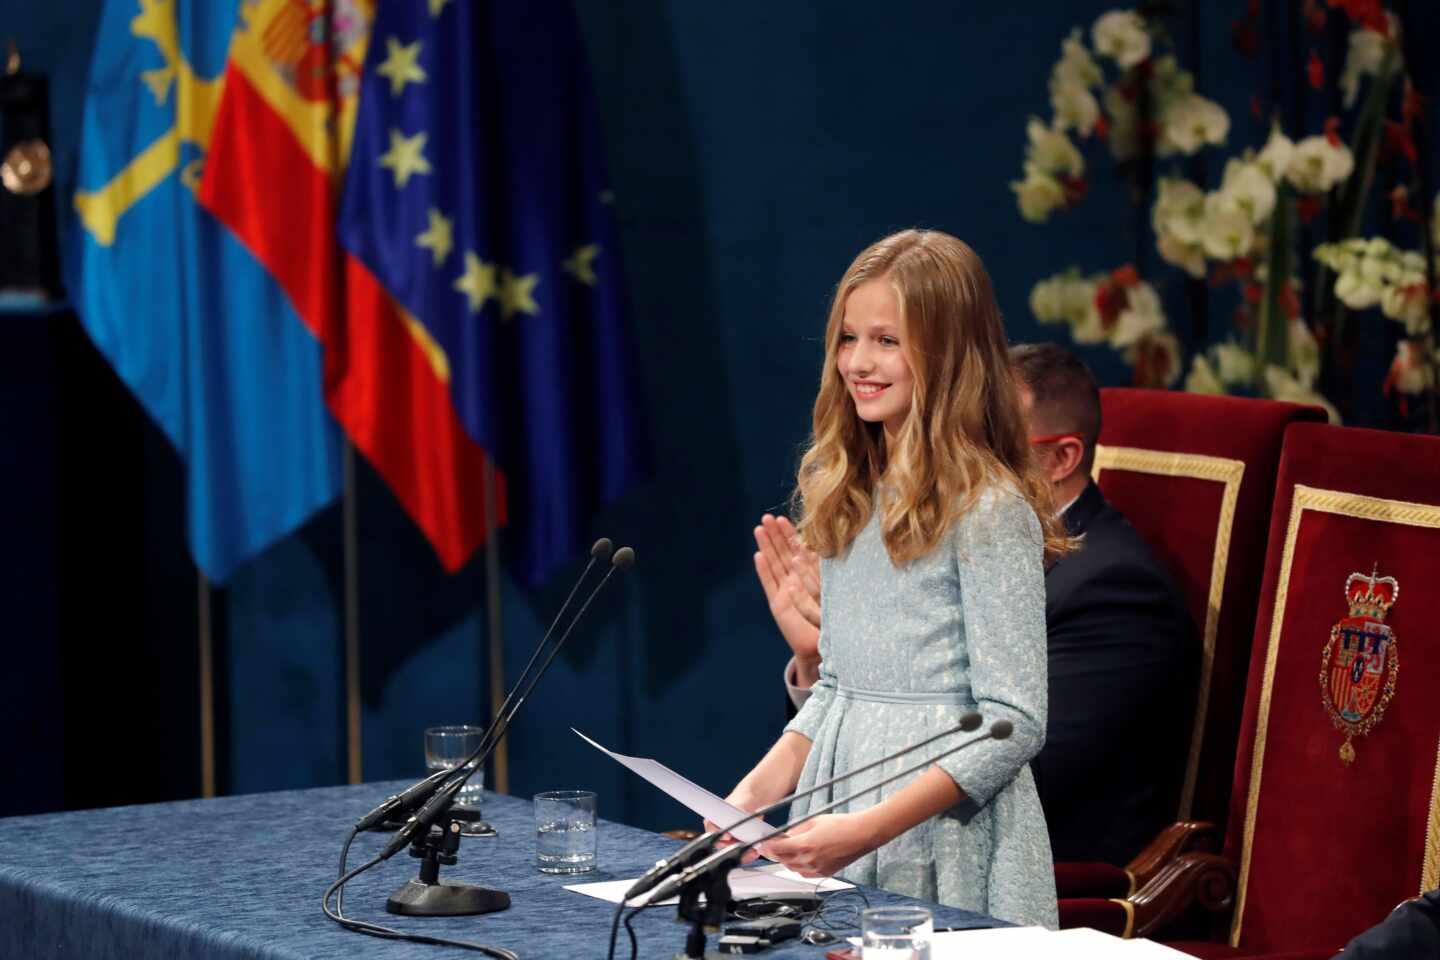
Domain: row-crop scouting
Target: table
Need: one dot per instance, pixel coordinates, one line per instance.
(241, 877)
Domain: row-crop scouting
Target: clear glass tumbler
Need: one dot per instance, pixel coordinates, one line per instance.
(565, 835)
(446, 748)
(896, 933)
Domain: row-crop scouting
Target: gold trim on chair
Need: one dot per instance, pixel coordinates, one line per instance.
(1194, 466)
(1346, 505)
(1129, 909)
(1430, 873)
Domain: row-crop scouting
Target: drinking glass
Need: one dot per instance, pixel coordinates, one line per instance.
(896, 933)
(565, 832)
(446, 747)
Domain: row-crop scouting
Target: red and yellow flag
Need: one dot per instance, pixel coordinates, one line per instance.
(278, 153)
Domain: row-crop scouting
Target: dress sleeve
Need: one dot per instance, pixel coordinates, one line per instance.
(818, 697)
(999, 551)
(812, 712)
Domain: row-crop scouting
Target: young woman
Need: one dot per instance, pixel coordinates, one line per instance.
(919, 494)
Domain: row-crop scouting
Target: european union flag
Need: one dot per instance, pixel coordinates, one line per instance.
(194, 325)
(477, 196)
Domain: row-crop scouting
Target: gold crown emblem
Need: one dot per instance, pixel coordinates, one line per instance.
(1371, 596)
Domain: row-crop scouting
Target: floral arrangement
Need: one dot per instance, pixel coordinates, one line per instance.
(1246, 232)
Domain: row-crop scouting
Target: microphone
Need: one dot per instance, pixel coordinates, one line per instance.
(728, 857)
(623, 559)
(697, 848)
(403, 803)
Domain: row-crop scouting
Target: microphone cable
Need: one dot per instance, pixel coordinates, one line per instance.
(391, 933)
(622, 559)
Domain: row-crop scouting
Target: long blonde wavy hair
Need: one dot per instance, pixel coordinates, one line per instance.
(965, 429)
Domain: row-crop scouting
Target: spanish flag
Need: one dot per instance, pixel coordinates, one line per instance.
(426, 183)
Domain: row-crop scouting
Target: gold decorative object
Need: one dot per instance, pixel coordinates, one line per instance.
(27, 168)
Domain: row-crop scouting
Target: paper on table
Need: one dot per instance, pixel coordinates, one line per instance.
(770, 880)
(1074, 944)
(692, 795)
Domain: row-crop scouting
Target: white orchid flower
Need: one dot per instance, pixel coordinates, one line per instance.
(1190, 123)
(1121, 36)
(1142, 316)
(1089, 327)
(1047, 299)
(1179, 209)
(1234, 363)
(1189, 257)
(1275, 156)
(1202, 377)
(1317, 164)
(1052, 151)
(1248, 187)
(1282, 386)
(1304, 352)
(1409, 372)
(1075, 108)
(1356, 292)
(1226, 233)
(1408, 305)
(1039, 194)
(1076, 67)
(1364, 57)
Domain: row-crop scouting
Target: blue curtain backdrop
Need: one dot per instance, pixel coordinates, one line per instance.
(754, 148)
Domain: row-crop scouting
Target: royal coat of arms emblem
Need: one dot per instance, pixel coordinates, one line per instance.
(1361, 660)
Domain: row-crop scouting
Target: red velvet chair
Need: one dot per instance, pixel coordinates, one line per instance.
(1195, 475)
(1335, 806)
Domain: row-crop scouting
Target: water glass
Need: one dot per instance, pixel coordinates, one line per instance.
(446, 748)
(896, 933)
(565, 832)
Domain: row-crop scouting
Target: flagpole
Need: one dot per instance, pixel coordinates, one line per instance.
(207, 686)
(352, 617)
(494, 624)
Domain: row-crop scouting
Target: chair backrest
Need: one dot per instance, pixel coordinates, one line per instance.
(1335, 812)
(1195, 475)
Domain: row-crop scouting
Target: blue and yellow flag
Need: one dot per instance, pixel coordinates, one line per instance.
(191, 321)
(477, 197)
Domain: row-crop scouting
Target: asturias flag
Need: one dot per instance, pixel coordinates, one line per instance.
(191, 321)
(471, 308)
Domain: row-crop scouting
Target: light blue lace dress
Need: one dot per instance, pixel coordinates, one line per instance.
(905, 652)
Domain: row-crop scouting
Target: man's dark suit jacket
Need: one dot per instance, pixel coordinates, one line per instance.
(1124, 662)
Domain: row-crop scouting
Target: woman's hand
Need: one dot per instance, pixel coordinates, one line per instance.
(742, 799)
(824, 846)
(790, 576)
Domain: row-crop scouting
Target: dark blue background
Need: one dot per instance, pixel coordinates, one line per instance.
(754, 147)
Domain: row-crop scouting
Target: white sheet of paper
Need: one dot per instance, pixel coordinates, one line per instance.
(768, 881)
(1075, 944)
(692, 795)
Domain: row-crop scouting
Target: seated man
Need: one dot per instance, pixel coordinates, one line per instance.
(1123, 654)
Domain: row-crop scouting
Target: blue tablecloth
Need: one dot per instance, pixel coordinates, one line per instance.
(242, 877)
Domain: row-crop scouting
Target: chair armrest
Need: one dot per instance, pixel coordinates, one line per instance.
(1187, 836)
(1191, 880)
(1078, 880)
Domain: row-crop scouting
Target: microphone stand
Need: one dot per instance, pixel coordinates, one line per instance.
(709, 879)
(433, 832)
(401, 805)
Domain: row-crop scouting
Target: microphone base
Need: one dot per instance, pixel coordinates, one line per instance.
(415, 898)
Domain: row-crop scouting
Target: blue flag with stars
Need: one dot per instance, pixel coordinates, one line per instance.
(477, 196)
